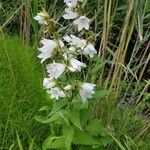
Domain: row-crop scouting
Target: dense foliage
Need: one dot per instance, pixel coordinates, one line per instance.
(118, 114)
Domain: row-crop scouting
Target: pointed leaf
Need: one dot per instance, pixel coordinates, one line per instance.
(68, 133)
(83, 138)
(75, 118)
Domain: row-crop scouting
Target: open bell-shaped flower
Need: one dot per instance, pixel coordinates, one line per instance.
(86, 91)
(56, 93)
(48, 83)
(55, 70)
(79, 43)
(82, 23)
(42, 17)
(47, 49)
(71, 3)
(90, 50)
(70, 14)
(76, 65)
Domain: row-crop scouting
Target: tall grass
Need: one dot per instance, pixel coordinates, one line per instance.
(21, 93)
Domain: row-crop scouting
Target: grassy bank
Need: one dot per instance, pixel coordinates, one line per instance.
(21, 94)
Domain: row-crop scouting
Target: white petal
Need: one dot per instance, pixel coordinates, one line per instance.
(75, 40)
(76, 22)
(82, 22)
(71, 3)
(90, 50)
(56, 93)
(76, 65)
(47, 49)
(86, 26)
(80, 27)
(70, 14)
(41, 18)
(48, 83)
(86, 91)
(67, 38)
(55, 70)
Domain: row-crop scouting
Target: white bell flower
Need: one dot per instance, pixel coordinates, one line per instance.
(90, 50)
(82, 44)
(86, 91)
(48, 83)
(83, 23)
(79, 43)
(55, 70)
(67, 38)
(56, 93)
(69, 14)
(71, 3)
(47, 49)
(74, 40)
(76, 65)
(41, 18)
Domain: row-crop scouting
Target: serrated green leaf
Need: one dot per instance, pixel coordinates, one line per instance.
(83, 138)
(75, 118)
(63, 114)
(99, 95)
(95, 127)
(57, 106)
(85, 115)
(43, 119)
(59, 116)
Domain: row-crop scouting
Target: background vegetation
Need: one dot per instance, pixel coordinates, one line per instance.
(122, 70)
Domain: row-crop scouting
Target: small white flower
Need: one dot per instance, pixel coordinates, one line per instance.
(67, 38)
(79, 43)
(48, 83)
(56, 93)
(76, 65)
(90, 50)
(41, 18)
(68, 87)
(74, 40)
(47, 49)
(55, 70)
(69, 14)
(71, 3)
(83, 23)
(86, 91)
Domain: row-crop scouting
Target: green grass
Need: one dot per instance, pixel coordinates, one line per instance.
(21, 94)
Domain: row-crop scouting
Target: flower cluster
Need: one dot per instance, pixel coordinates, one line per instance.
(64, 53)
